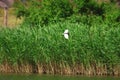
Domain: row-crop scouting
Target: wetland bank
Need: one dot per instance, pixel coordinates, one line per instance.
(38, 46)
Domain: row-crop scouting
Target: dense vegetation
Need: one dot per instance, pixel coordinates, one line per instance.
(91, 46)
(39, 46)
(52, 11)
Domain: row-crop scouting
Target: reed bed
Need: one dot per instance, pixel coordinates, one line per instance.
(90, 50)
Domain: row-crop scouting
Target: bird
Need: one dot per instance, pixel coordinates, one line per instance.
(66, 34)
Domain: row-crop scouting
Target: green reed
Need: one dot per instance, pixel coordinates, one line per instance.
(88, 45)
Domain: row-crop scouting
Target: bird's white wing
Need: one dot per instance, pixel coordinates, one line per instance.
(66, 36)
(66, 31)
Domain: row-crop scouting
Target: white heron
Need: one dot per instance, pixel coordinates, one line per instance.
(66, 34)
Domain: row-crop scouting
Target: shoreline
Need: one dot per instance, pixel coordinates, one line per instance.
(61, 69)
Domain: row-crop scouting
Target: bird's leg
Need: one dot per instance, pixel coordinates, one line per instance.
(5, 16)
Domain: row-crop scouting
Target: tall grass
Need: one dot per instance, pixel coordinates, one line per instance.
(91, 49)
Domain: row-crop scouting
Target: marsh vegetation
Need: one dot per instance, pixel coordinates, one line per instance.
(38, 46)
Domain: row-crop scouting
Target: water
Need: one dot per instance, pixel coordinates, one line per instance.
(53, 77)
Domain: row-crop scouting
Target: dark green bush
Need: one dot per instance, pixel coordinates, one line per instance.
(111, 13)
(51, 11)
(46, 11)
(91, 7)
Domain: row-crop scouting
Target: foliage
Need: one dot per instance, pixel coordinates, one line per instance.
(51, 11)
(43, 12)
(111, 12)
(91, 7)
(98, 43)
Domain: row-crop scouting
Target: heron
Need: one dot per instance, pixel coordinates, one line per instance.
(66, 34)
